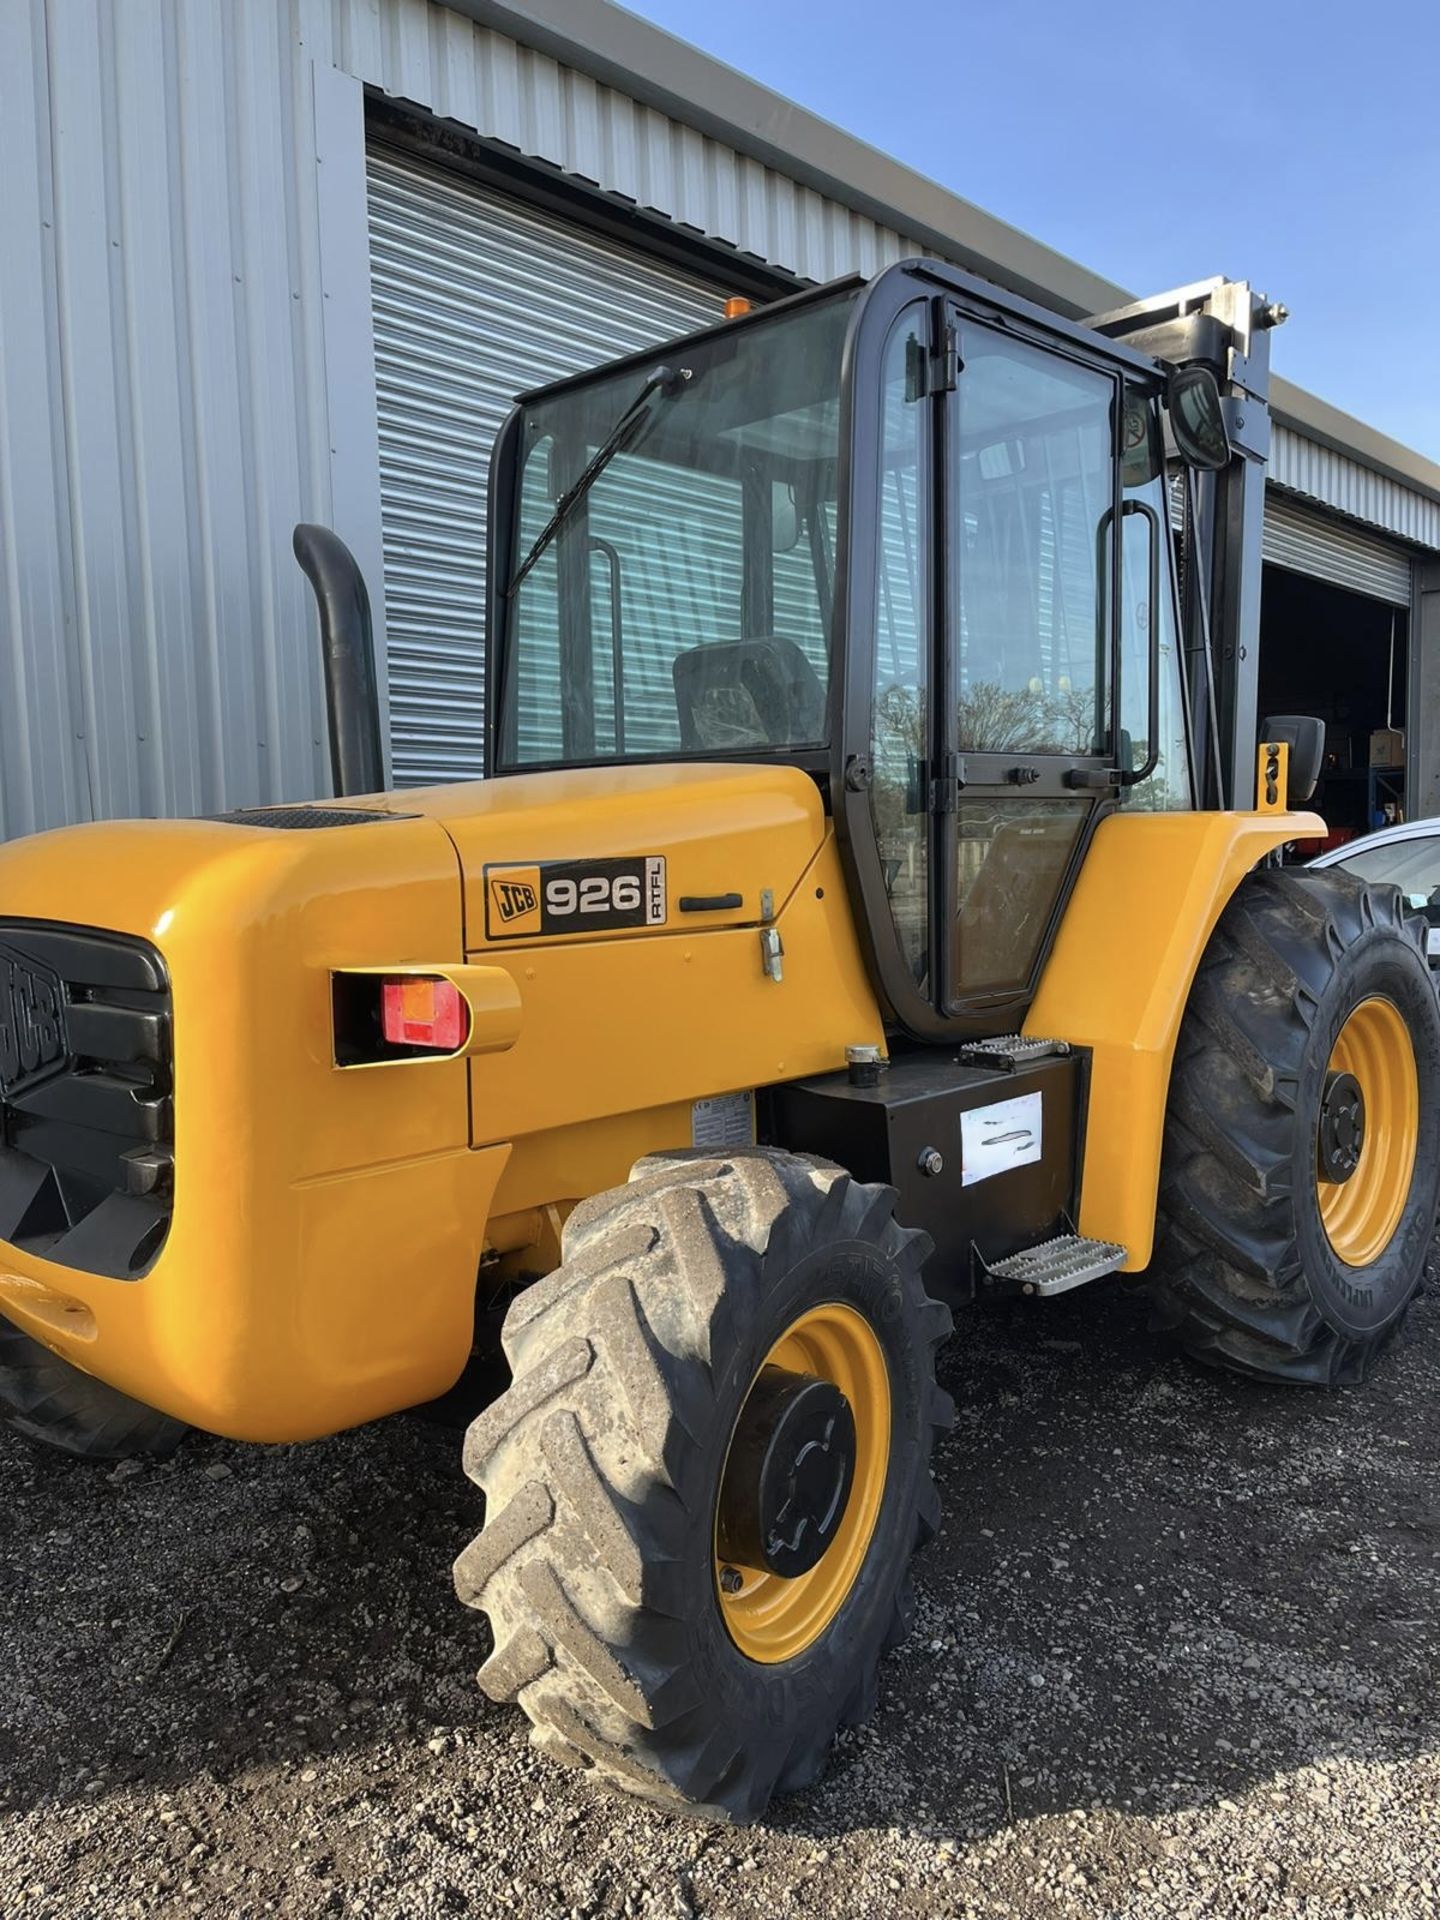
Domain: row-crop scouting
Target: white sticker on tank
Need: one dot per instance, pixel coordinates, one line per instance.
(993, 1139)
(725, 1120)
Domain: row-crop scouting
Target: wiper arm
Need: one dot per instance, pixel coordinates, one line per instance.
(663, 381)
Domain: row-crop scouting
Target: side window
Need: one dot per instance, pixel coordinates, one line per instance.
(900, 724)
(1034, 486)
(1142, 475)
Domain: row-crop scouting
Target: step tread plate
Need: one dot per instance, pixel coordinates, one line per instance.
(1069, 1260)
(1012, 1049)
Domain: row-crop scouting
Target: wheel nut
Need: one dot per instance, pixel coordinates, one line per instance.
(730, 1580)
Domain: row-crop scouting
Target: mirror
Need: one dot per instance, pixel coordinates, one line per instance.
(1197, 418)
(1305, 737)
(1142, 451)
(784, 517)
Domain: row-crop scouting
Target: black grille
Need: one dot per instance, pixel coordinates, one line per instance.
(293, 819)
(87, 1146)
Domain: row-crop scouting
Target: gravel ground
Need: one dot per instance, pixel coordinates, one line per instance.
(1175, 1654)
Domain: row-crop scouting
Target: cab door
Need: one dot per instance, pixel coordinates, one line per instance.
(980, 743)
(1025, 658)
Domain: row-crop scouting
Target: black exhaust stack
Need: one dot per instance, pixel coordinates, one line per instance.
(347, 642)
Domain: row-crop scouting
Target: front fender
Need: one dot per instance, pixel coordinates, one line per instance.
(1149, 894)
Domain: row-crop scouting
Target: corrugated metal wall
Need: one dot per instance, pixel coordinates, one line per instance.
(1320, 473)
(161, 409)
(437, 59)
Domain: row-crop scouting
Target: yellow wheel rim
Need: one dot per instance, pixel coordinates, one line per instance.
(772, 1619)
(1360, 1214)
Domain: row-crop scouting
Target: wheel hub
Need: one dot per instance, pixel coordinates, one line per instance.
(789, 1473)
(1342, 1127)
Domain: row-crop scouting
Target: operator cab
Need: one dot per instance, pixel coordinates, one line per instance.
(910, 536)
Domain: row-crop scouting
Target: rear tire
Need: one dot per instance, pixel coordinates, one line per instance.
(45, 1398)
(599, 1564)
(1262, 1264)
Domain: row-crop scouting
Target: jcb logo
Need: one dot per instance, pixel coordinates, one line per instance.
(603, 895)
(33, 1043)
(514, 897)
(512, 900)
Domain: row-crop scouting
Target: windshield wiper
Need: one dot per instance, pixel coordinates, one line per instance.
(664, 381)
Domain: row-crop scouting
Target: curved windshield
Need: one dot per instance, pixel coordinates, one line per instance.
(676, 525)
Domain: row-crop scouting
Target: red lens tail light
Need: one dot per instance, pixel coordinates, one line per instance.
(423, 1010)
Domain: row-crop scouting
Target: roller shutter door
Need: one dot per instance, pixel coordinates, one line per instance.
(477, 297)
(1313, 543)
(1330, 549)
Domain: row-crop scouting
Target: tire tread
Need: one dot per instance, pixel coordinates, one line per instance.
(1227, 1278)
(589, 1463)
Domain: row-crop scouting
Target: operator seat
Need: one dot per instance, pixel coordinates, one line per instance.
(761, 692)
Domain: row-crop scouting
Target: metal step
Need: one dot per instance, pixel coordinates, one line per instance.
(1056, 1265)
(1007, 1051)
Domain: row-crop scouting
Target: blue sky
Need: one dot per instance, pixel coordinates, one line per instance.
(1297, 145)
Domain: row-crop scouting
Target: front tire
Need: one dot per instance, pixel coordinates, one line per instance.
(622, 1622)
(1294, 1218)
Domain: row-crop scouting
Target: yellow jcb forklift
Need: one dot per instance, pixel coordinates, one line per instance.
(873, 904)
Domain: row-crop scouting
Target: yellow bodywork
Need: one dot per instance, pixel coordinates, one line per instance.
(1151, 889)
(329, 1224)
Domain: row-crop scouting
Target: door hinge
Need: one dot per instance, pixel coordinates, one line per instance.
(945, 362)
(945, 788)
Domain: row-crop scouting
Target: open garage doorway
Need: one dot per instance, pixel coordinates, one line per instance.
(1344, 657)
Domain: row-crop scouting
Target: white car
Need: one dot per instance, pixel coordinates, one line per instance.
(1407, 857)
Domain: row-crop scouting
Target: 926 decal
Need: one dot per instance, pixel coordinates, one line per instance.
(574, 896)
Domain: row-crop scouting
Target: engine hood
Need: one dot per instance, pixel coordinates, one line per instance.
(644, 850)
(723, 836)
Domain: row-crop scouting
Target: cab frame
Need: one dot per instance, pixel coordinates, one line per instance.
(950, 301)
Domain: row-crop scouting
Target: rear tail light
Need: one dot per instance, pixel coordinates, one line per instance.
(423, 1010)
(381, 1017)
(440, 1012)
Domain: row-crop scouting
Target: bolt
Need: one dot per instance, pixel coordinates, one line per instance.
(931, 1161)
(731, 1580)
